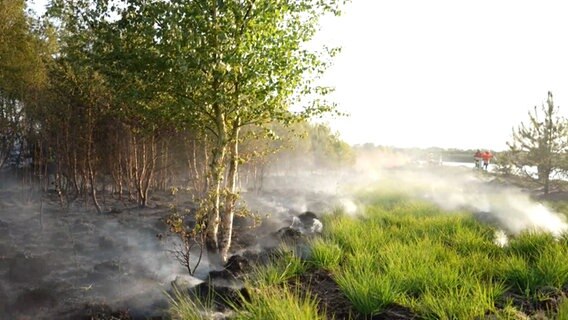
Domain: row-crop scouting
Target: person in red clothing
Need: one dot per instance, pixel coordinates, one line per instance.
(486, 156)
(477, 159)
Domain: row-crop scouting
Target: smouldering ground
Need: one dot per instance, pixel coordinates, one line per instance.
(405, 259)
(60, 264)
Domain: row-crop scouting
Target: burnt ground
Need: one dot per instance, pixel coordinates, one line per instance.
(76, 264)
(331, 300)
(549, 299)
(73, 263)
(321, 285)
(79, 265)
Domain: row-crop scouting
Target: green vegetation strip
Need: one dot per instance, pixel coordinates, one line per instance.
(440, 265)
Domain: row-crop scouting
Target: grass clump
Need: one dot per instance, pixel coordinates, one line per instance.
(530, 245)
(469, 300)
(280, 302)
(275, 294)
(325, 255)
(534, 261)
(563, 310)
(441, 265)
(284, 267)
(183, 306)
(369, 295)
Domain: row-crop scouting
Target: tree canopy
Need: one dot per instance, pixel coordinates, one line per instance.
(129, 86)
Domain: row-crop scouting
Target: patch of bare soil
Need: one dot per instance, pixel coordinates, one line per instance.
(103, 312)
(336, 305)
(332, 301)
(396, 311)
(548, 300)
(99, 311)
(54, 262)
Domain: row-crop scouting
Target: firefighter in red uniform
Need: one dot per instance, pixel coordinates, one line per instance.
(486, 156)
(477, 159)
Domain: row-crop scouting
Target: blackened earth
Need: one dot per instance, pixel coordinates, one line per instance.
(75, 264)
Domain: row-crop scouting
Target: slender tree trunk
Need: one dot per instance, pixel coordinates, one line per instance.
(196, 177)
(59, 179)
(217, 174)
(231, 195)
(91, 174)
(45, 173)
(120, 175)
(84, 174)
(75, 175)
(149, 166)
(142, 173)
(205, 164)
(130, 161)
(213, 219)
(219, 150)
(139, 157)
(543, 172)
(546, 182)
(164, 164)
(115, 165)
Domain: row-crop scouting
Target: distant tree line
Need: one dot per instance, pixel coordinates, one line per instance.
(423, 154)
(138, 95)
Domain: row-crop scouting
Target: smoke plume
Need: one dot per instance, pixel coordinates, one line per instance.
(462, 188)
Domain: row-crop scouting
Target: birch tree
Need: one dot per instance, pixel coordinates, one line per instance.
(216, 66)
(227, 65)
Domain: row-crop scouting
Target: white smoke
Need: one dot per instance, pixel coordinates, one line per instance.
(500, 238)
(453, 188)
(348, 206)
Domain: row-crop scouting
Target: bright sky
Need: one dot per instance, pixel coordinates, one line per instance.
(444, 73)
(451, 74)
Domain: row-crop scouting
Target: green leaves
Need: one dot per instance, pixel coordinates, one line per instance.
(21, 51)
(213, 67)
(246, 57)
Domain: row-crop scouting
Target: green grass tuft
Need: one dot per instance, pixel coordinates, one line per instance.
(280, 303)
(282, 269)
(184, 306)
(325, 255)
(368, 291)
(563, 310)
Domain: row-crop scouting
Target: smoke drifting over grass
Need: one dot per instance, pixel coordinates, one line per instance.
(506, 206)
(452, 188)
(461, 188)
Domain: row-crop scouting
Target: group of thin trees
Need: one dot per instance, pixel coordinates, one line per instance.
(131, 96)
